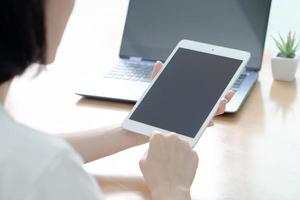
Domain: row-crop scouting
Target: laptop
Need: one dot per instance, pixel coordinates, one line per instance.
(153, 28)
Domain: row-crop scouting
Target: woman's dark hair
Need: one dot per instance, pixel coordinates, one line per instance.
(22, 36)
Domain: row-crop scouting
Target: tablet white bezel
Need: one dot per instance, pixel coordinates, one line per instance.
(146, 129)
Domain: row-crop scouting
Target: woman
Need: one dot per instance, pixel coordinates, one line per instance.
(38, 166)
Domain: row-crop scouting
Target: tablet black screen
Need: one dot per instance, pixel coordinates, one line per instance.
(186, 91)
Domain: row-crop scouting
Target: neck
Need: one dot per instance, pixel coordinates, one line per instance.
(4, 87)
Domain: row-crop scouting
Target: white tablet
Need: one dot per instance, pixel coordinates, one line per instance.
(184, 96)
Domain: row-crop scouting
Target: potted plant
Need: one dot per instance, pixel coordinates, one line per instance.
(284, 64)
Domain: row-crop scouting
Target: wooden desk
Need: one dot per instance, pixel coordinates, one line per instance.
(254, 154)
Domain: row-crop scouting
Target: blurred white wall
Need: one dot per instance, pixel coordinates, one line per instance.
(285, 16)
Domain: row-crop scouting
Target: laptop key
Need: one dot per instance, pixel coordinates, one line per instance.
(131, 70)
(239, 81)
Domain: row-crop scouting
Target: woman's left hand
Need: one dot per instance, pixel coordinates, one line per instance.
(158, 66)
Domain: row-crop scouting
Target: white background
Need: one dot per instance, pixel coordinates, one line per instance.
(285, 16)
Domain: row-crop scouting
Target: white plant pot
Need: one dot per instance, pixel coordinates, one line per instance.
(284, 69)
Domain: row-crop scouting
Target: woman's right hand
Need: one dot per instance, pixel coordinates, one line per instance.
(169, 167)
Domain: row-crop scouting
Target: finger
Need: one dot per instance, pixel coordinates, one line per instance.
(155, 143)
(172, 136)
(156, 137)
(142, 162)
(211, 124)
(171, 143)
(195, 156)
(222, 107)
(154, 133)
(229, 95)
(196, 160)
(144, 158)
(156, 68)
(224, 102)
(174, 142)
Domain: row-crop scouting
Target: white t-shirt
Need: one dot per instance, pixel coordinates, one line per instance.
(38, 166)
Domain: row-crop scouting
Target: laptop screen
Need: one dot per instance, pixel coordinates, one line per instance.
(154, 27)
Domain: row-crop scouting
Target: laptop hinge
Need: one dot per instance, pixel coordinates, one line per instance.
(135, 58)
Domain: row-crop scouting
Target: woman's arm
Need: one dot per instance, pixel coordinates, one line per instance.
(95, 144)
(113, 184)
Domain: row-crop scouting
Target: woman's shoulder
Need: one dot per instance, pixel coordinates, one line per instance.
(19, 139)
(27, 153)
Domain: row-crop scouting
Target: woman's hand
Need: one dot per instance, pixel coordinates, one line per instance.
(158, 66)
(169, 167)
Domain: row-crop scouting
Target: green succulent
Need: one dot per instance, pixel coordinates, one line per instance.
(288, 47)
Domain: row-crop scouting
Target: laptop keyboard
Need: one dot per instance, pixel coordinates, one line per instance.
(132, 70)
(239, 81)
(141, 71)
